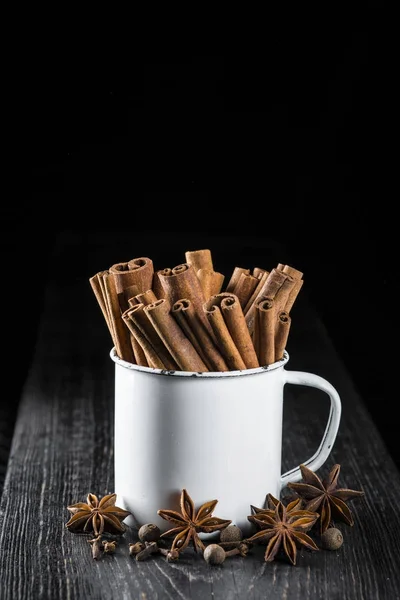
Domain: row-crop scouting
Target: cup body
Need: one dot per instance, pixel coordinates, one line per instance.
(218, 435)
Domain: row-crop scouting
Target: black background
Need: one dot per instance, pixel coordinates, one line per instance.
(234, 154)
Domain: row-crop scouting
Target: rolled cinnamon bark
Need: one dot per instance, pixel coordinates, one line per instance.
(179, 346)
(122, 276)
(245, 287)
(126, 295)
(234, 318)
(295, 273)
(293, 294)
(211, 282)
(141, 357)
(298, 276)
(122, 338)
(264, 331)
(145, 298)
(223, 337)
(257, 292)
(150, 357)
(144, 270)
(199, 259)
(102, 276)
(123, 302)
(99, 293)
(188, 319)
(282, 295)
(158, 288)
(282, 334)
(137, 315)
(274, 281)
(182, 282)
(258, 272)
(269, 289)
(106, 305)
(237, 271)
(138, 272)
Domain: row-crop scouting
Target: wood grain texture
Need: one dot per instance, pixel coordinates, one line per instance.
(63, 448)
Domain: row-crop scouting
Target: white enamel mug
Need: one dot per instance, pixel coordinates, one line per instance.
(218, 435)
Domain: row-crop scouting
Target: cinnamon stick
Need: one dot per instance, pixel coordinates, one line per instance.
(258, 272)
(269, 289)
(102, 280)
(293, 294)
(145, 298)
(274, 281)
(149, 356)
(245, 287)
(178, 344)
(122, 339)
(137, 315)
(295, 273)
(211, 282)
(182, 282)
(122, 276)
(282, 334)
(199, 259)
(125, 296)
(137, 272)
(123, 301)
(264, 331)
(236, 323)
(237, 271)
(282, 295)
(298, 276)
(140, 353)
(158, 288)
(101, 277)
(257, 292)
(193, 326)
(131, 278)
(224, 339)
(143, 269)
(95, 282)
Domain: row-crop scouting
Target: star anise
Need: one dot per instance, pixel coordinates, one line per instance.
(97, 516)
(190, 523)
(324, 496)
(272, 503)
(284, 528)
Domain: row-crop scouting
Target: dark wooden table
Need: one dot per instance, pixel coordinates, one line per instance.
(62, 448)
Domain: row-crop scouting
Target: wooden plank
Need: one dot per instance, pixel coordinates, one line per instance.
(63, 448)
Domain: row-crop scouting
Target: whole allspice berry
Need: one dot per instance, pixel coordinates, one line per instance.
(149, 533)
(331, 539)
(214, 554)
(232, 533)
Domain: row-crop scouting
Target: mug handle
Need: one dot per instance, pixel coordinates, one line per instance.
(326, 445)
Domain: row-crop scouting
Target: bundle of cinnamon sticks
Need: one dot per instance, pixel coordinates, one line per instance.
(182, 318)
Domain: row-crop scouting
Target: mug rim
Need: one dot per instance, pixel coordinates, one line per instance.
(201, 375)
